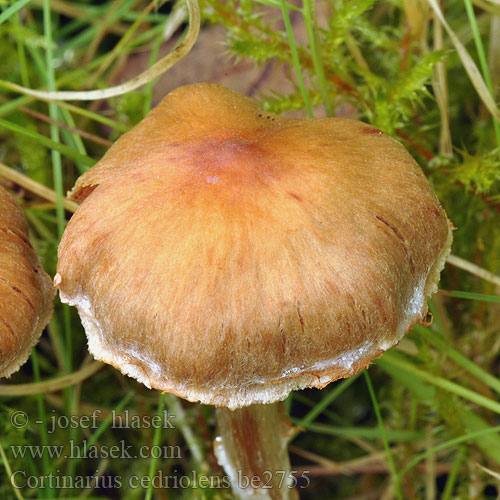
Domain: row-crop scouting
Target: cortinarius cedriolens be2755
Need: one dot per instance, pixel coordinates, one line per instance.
(230, 256)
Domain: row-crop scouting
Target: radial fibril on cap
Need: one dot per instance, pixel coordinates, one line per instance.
(26, 291)
(229, 255)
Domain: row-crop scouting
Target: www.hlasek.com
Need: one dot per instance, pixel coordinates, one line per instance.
(84, 449)
(269, 479)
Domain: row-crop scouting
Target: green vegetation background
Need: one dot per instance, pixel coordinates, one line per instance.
(396, 66)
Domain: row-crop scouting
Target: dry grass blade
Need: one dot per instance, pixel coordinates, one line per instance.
(53, 385)
(60, 124)
(72, 10)
(474, 269)
(469, 64)
(34, 187)
(104, 25)
(440, 86)
(490, 472)
(342, 467)
(494, 55)
(115, 53)
(8, 470)
(138, 81)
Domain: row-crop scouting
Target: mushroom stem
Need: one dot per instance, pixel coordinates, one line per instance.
(252, 447)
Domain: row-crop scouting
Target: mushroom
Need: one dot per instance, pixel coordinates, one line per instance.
(230, 256)
(26, 291)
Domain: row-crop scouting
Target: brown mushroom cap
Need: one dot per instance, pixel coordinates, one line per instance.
(230, 256)
(26, 291)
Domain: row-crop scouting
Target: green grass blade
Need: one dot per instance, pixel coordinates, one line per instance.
(65, 150)
(309, 11)
(13, 104)
(423, 392)
(156, 443)
(440, 344)
(148, 89)
(372, 433)
(482, 60)
(326, 401)
(119, 127)
(396, 360)
(21, 54)
(489, 445)
(453, 474)
(101, 429)
(447, 444)
(86, 36)
(59, 190)
(53, 112)
(10, 11)
(44, 436)
(72, 139)
(295, 57)
(76, 141)
(474, 296)
(383, 434)
(277, 4)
